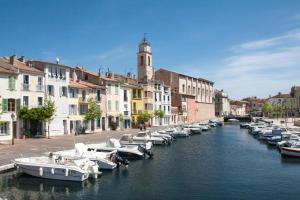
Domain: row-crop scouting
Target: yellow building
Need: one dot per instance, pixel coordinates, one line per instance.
(137, 103)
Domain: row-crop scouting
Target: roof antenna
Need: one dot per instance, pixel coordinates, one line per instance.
(145, 39)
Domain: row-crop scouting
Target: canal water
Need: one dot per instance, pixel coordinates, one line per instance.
(225, 163)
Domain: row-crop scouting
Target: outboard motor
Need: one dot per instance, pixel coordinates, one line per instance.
(143, 149)
(166, 141)
(119, 160)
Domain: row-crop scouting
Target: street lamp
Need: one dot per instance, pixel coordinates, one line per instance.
(12, 128)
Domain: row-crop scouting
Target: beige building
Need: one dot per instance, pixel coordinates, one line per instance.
(238, 108)
(194, 97)
(222, 103)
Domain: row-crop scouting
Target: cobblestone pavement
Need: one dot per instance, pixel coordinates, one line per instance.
(40, 146)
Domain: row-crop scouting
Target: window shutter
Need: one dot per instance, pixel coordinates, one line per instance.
(18, 104)
(4, 105)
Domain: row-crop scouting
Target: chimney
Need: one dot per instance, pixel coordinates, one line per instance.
(13, 60)
(22, 59)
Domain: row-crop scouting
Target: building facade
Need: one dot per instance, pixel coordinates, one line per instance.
(222, 103)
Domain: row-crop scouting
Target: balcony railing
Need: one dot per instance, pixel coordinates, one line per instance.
(126, 113)
(25, 87)
(39, 88)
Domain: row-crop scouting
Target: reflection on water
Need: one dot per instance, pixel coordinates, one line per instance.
(22, 186)
(225, 163)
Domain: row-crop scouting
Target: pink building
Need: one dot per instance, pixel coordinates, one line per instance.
(192, 110)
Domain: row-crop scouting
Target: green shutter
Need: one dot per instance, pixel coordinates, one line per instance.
(18, 104)
(4, 105)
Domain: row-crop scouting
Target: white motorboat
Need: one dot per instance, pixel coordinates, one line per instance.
(293, 151)
(107, 160)
(233, 120)
(145, 136)
(163, 134)
(194, 129)
(127, 152)
(288, 142)
(205, 127)
(177, 132)
(127, 141)
(58, 167)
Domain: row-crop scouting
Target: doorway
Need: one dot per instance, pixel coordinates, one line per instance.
(103, 123)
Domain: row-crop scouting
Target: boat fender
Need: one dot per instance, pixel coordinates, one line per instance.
(52, 171)
(41, 171)
(67, 172)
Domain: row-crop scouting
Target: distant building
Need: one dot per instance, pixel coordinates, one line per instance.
(194, 97)
(222, 103)
(255, 106)
(287, 102)
(238, 108)
(295, 93)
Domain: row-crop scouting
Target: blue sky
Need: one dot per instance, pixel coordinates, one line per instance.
(246, 47)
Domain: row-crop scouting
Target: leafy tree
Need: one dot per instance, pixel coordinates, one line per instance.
(94, 112)
(278, 109)
(38, 114)
(267, 108)
(160, 114)
(144, 117)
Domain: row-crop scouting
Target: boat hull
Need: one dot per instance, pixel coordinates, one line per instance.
(52, 172)
(289, 151)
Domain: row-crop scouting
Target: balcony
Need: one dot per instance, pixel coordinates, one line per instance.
(25, 87)
(126, 113)
(40, 88)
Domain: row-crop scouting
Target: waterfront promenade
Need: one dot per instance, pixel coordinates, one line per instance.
(40, 146)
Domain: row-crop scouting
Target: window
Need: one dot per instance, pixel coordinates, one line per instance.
(159, 96)
(198, 91)
(83, 93)
(56, 72)
(73, 92)
(40, 101)
(11, 105)
(164, 97)
(98, 95)
(40, 84)
(189, 89)
(117, 105)
(116, 89)
(194, 90)
(4, 128)
(142, 60)
(125, 96)
(183, 88)
(155, 96)
(64, 91)
(164, 108)
(25, 101)
(109, 88)
(149, 61)
(134, 108)
(169, 108)
(109, 105)
(98, 122)
(86, 77)
(62, 74)
(25, 79)
(50, 90)
(168, 98)
(83, 108)
(72, 109)
(50, 72)
(11, 82)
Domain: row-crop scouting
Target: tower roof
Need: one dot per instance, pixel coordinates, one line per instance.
(145, 41)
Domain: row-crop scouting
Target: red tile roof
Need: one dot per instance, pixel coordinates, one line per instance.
(21, 66)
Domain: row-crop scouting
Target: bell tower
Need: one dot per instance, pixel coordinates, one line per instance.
(144, 61)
